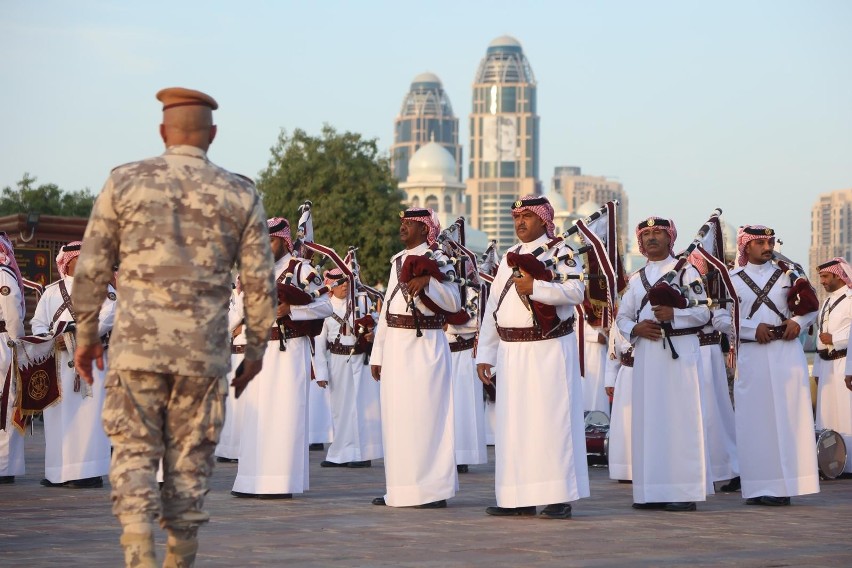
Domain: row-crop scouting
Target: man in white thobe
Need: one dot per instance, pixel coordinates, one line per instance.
(411, 358)
(540, 446)
(619, 386)
(834, 405)
(273, 462)
(775, 427)
(12, 318)
(468, 400)
(76, 448)
(340, 362)
(228, 448)
(669, 470)
(594, 377)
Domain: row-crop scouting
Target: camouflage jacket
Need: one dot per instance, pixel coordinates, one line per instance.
(176, 224)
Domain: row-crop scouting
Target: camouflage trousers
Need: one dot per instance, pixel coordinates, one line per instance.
(149, 416)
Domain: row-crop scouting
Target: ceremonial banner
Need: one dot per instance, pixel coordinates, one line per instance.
(36, 366)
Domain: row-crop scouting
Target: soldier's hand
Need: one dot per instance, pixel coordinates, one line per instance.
(283, 310)
(826, 339)
(792, 330)
(376, 371)
(610, 391)
(485, 372)
(763, 333)
(663, 313)
(849, 382)
(648, 329)
(246, 371)
(322, 384)
(418, 284)
(524, 283)
(84, 356)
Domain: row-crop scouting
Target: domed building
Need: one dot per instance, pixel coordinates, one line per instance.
(432, 183)
(426, 115)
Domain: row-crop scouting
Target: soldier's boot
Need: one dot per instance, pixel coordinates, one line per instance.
(181, 548)
(138, 544)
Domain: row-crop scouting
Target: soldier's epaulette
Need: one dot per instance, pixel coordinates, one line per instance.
(246, 178)
(8, 269)
(122, 166)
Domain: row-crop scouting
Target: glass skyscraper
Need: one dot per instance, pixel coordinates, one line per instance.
(426, 115)
(504, 138)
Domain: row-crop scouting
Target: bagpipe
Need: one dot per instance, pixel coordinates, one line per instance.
(598, 232)
(801, 297)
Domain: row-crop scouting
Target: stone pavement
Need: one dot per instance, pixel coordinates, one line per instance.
(334, 524)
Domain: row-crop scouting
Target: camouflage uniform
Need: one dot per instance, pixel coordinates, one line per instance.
(177, 224)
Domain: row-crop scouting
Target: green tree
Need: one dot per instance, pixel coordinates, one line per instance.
(46, 199)
(355, 197)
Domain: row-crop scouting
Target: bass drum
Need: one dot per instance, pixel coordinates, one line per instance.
(831, 453)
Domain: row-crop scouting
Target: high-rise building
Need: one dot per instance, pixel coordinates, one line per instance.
(584, 191)
(504, 134)
(831, 230)
(426, 115)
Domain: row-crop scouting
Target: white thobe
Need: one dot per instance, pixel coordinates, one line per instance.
(11, 312)
(834, 401)
(229, 439)
(667, 428)
(620, 377)
(273, 437)
(720, 441)
(776, 446)
(417, 400)
(355, 407)
(75, 444)
(540, 445)
(594, 395)
(320, 425)
(468, 403)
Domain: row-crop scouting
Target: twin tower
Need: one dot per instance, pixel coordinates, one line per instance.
(504, 143)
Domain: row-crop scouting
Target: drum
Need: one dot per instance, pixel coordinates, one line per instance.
(831, 453)
(597, 437)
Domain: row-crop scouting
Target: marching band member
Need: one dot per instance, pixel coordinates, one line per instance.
(619, 385)
(12, 318)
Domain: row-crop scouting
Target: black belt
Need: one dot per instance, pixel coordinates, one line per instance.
(275, 333)
(683, 331)
(512, 334)
(712, 338)
(238, 349)
(340, 349)
(776, 332)
(832, 355)
(462, 344)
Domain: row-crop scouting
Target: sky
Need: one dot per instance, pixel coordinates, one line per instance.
(738, 104)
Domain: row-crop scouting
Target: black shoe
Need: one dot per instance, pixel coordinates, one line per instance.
(365, 463)
(380, 501)
(649, 506)
(442, 504)
(628, 481)
(326, 463)
(844, 475)
(47, 483)
(87, 483)
(226, 460)
(557, 511)
(271, 496)
(681, 506)
(774, 501)
(754, 501)
(511, 511)
(316, 447)
(462, 468)
(731, 486)
(7, 479)
(242, 495)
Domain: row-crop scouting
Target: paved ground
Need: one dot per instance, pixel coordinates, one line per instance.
(335, 525)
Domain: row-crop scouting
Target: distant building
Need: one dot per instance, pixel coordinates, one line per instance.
(426, 115)
(831, 230)
(432, 183)
(504, 139)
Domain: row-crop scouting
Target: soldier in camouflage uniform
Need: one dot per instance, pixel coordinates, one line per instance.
(177, 224)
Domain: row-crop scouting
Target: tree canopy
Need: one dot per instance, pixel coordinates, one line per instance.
(355, 197)
(46, 199)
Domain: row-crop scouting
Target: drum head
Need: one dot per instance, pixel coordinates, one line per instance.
(596, 418)
(831, 453)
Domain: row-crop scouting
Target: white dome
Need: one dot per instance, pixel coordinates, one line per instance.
(504, 41)
(432, 162)
(426, 78)
(557, 201)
